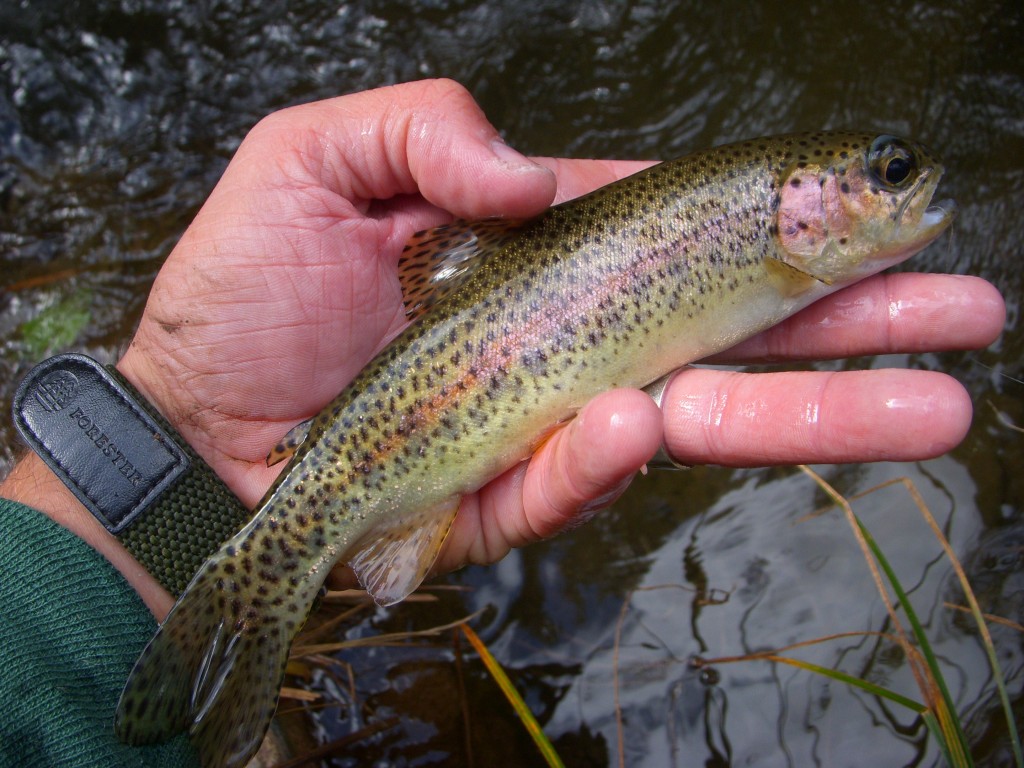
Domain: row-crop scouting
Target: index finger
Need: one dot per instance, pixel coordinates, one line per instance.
(900, 312)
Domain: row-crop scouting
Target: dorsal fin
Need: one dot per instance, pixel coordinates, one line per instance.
(437, 261)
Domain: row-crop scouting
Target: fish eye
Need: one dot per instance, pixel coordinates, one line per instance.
(891, 162)
(897, 170)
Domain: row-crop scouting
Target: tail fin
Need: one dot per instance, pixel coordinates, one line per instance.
(213, 668)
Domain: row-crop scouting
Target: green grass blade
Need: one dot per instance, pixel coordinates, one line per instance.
(940, 738)
(944, 710)
(856, 682)
(926, 714)
(975, 610)
(997, 674)
(529, 721)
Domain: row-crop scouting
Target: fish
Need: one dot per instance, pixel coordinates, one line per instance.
(514, 326)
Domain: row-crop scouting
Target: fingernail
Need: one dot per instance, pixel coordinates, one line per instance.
(587, 511)
(514, 160)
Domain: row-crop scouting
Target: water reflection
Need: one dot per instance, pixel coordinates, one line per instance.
(771, 574)
(117, 119)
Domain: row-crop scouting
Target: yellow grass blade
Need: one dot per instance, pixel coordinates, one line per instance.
(529, 721)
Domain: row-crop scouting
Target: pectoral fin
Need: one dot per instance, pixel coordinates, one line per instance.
(790, 280)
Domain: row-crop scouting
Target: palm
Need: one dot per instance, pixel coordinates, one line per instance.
(277, 321)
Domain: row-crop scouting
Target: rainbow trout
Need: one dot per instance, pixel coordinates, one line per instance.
(517, 325)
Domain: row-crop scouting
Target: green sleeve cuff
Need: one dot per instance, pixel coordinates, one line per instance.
(70, 630)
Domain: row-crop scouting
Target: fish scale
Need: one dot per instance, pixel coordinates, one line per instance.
(516, 325)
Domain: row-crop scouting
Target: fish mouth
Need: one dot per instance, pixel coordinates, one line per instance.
(919, 222)
(938, 216)
(920, 219)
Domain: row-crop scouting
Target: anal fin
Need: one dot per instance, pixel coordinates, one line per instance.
(392, 560)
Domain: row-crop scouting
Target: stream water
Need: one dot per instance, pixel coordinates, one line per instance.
(117, 118)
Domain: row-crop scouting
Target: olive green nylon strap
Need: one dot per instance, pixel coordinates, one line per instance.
(188, 522)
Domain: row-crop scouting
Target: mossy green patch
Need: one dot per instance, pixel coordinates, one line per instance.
(57, 326)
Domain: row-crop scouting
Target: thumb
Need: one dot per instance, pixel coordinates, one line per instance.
(460, 163)
(428, 138)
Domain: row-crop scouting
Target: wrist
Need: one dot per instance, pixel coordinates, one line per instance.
(34, 484)
(157, 382)
(117, 474)
(217, 433)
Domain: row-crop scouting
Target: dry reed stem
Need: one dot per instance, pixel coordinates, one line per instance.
(988, 616)
(391, 638)
(619, 734)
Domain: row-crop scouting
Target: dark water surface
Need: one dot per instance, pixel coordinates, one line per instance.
(117, 118)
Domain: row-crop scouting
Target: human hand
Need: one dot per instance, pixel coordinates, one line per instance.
(285, 285)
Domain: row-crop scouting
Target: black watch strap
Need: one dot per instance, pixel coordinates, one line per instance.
(127, 465)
